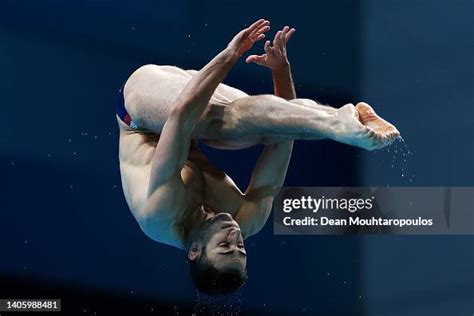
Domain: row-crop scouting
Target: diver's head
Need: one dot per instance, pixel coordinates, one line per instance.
(217, 257)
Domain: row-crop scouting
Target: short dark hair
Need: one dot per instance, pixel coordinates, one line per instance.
(213, 281)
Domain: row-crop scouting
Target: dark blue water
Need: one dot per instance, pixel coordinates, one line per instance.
(63, 218)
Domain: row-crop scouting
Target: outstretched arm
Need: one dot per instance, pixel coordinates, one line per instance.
(166, 191)
(276, 58)
(271, 167)
(176, 135)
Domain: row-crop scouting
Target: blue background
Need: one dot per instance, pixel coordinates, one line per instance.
(63, 217)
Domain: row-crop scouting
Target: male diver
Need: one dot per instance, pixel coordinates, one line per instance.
(176, 195)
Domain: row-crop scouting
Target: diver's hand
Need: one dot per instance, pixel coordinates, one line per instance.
(350, 128)
(245, 39)
(275, 56)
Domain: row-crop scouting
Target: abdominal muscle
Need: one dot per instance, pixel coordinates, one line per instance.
(136, 152)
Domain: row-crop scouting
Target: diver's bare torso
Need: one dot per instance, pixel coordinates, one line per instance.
(207, 188)
(172, 188)
(136, 153)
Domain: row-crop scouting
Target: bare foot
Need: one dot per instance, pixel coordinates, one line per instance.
(382, 128)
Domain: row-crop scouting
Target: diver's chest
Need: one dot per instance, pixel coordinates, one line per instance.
(193, 177)
(194, 180)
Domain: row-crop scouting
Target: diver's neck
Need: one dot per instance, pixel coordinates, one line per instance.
(191, 223)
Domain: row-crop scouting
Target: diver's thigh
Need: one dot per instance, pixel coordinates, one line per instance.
(224, 93)
(150, 93)
(228, 94)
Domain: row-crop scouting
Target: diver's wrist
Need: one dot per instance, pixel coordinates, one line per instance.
(231, 54)
(282, 68)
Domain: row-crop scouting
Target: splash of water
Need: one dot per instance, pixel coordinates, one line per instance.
(218, 305)
(400, 160)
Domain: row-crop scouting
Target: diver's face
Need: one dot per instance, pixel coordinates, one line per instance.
(225, 248)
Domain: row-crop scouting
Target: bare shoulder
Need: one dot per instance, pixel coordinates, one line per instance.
(163, 211)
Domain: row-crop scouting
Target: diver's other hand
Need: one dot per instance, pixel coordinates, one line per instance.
(245, 39)
(349, 129)
(275, 56)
